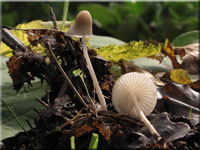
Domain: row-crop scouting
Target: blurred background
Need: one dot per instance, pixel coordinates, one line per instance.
(123, 20)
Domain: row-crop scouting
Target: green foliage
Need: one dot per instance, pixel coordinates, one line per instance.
(100, 41)
(22, 103)
(126, 21)
(144, 20)
(14, 13)
(186, 38)
(129, 51)
(116, 70)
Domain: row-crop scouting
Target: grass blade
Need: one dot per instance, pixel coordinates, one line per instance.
(94, 141)
(72, 143)
(65, 12)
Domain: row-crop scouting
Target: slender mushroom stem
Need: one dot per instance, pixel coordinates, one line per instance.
(143, 118)
(92, 73)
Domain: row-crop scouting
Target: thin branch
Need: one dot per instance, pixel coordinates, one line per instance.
(65, 76)
(28, 122)
(9, 39)
(41, 102)
(53, 17)
(15, 117)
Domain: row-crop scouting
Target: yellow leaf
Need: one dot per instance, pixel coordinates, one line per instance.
(180, 76)
(21, 35)
(131, 50)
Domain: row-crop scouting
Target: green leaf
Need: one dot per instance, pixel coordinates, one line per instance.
(100, 41)
(129, 51)
(94, 141)
(77, 72)
(99, 13)
(22, 103)
(186, 38)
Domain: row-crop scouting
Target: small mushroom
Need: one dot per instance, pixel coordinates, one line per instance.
(82, 28)
(135, 94)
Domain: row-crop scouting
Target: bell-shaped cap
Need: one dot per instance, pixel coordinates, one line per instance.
(134, 86)
(82, 25)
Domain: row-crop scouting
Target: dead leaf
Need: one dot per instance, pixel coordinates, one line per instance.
(169, 51)
(17, 74)
(195, 85)
(179, 100)
(131, 67)
(90, 125)
(180, 76)
(191, 64)
(190, 57)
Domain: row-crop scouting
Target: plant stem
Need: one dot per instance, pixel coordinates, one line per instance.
(94, 78)
(190, 113)
(66, 77)
(15, 116)
(72, 140)
(65, 12)
(94, 141)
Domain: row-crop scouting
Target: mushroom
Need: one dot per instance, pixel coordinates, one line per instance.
(135, 94)
(82, 28)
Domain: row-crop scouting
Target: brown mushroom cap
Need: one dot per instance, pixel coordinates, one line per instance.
(82, 26)
(138, 86)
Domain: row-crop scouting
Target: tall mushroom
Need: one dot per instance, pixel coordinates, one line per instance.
(135, 94)
(82, 28)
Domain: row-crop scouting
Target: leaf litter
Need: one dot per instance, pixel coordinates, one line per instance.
(176, 116)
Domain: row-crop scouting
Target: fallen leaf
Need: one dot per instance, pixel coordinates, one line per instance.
(180, 76)
(195, 85)
(190, 57)
(131, 50)
(16, 73)
(88, 126)
(168, 129)
(191, 64)
(179, 100)
(169, 51)
(22, 36)
(127, 67)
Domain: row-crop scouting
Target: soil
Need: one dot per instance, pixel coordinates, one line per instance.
(65, 116)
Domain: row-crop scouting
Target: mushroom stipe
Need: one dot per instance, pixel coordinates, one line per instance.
(135, 94)
(82, 28)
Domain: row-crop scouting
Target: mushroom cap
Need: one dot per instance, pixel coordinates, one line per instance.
(141, 87)
(82, 25)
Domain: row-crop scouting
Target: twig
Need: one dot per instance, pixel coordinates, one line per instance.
(15, 116)
(9, 39)
(65, 76)
(48, 102)
(35, 110)
(53, 17)
(70, 121)
(41, 102)
(27, 121)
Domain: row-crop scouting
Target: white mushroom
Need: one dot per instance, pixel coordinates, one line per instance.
(82, 28)
(135, 94)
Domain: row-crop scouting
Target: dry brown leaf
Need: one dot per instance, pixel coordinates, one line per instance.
(169, 51)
